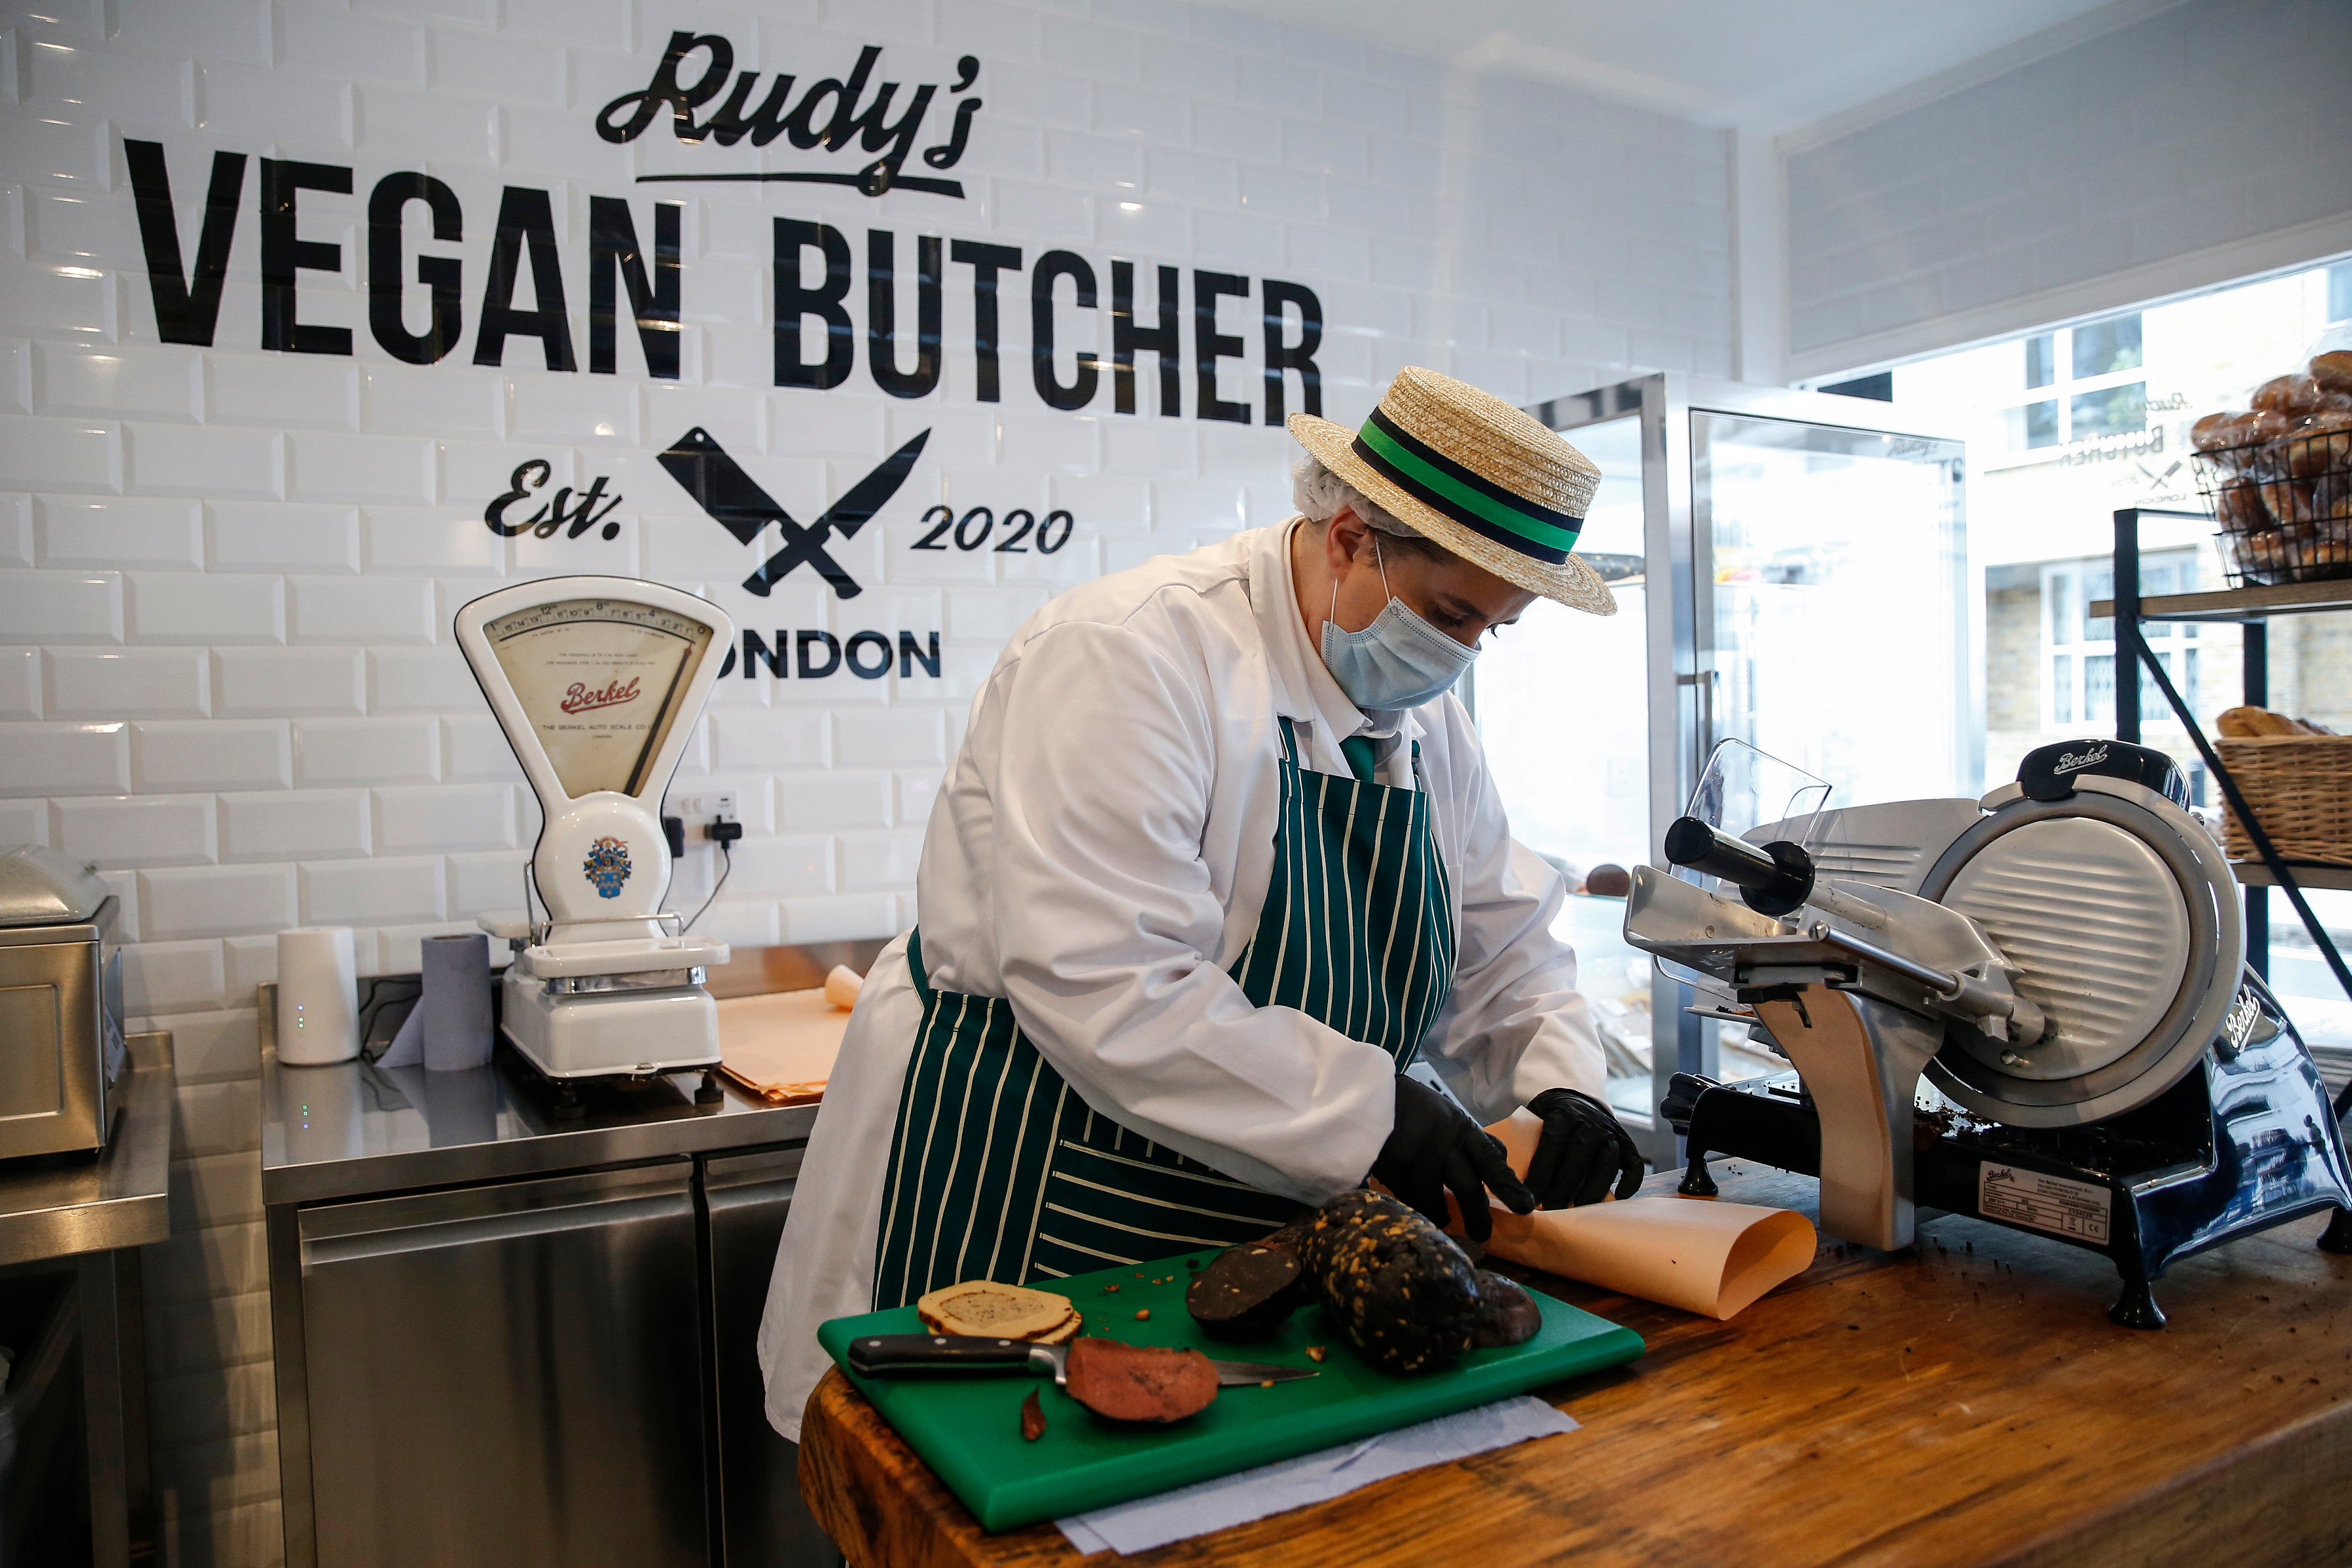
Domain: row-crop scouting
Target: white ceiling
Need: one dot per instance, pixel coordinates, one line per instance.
(1772, 65)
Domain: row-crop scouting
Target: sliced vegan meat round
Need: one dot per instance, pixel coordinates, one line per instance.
(1139, 1383)
(1248, 1291)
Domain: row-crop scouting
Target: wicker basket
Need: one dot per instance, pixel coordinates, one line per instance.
(2301, 788)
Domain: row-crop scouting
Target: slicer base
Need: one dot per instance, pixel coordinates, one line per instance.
(2246, 1141)
(2137, 1308)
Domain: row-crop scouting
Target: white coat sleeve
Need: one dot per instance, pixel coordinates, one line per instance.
(1106, 922)
(1515, 1023)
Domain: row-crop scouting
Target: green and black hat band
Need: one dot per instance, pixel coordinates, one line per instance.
(1470, 498)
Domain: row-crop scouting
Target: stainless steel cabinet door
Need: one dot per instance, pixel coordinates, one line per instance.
(508, 1376)
(762, 1519)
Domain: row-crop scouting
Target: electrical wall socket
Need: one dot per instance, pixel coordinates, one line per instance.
(700, 811)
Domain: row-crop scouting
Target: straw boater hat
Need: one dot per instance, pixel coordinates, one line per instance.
(1476, 476)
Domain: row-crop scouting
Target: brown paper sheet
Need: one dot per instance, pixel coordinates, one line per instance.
(1708, 1257)
(781, 1046)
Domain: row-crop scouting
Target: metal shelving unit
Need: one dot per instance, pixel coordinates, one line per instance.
(2251, 608)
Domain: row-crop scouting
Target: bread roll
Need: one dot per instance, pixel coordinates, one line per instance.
(2331, 502)
(2268, 425)
(2216, 431)
(2262, 723)
(2333, 371)
(2295, 395)
(2289, 502)
(2260, 554)
(2236, 723)
(2321, 444)
(2238, 507)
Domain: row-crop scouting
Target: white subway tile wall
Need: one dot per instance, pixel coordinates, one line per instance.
(227, 570)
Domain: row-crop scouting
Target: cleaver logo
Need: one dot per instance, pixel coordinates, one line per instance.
(737, 503)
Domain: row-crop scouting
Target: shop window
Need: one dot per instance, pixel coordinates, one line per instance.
(2106, 346)
(2041, 360)
(2093, 384)
(2339, 292)
(2079, 653)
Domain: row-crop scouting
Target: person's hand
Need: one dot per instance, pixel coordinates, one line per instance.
(1582, 1151)
(1435, 1148)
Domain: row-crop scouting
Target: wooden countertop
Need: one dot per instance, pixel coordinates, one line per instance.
(1965, 1401)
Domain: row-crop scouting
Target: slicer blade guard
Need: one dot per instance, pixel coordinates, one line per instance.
(1743, 788)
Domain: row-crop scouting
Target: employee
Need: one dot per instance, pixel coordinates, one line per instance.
(1218, 860)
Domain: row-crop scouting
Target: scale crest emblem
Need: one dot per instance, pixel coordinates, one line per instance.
(607, 866)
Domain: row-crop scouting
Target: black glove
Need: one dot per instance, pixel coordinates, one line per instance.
(1434, 1147)
(1582, 1151)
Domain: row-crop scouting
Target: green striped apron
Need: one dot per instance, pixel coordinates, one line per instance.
(999, 1172)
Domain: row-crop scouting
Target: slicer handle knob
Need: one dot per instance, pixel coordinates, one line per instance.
(1773, 880)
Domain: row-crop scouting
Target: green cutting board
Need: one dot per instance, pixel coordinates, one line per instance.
(967, 1429)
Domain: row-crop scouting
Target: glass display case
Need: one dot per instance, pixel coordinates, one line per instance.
(1790, 571)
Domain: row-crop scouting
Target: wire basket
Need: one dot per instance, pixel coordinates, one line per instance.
(2284, 505)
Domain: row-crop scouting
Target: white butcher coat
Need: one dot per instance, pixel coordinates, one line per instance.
(1098, 853)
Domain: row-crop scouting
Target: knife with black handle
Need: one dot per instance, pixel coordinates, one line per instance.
(934, 1355)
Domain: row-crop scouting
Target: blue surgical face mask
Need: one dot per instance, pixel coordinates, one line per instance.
(1398, 661)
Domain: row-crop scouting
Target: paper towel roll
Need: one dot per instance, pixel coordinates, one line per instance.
(456, 1001)
(318, 996)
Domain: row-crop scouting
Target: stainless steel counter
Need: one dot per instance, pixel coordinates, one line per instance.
(70, 1227)
(543, 1325)
(58, 1205)
(355, 1130)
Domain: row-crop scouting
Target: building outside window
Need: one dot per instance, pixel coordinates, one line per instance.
(2066, 425)
(2081, 382)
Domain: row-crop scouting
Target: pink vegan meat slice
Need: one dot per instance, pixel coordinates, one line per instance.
(1141, 1383)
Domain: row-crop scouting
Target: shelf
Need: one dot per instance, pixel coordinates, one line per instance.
(2238, 604)
(2323, 878)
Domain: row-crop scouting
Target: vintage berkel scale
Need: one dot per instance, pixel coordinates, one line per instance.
(2063, 960)
(597, 682)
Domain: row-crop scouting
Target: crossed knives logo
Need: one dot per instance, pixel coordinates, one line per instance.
(735, 500)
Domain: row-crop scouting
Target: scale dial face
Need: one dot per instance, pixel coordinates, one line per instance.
(600, 680)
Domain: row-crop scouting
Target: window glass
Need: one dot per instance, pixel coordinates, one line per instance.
(2041, 360)
(2112, 412)
(2104, 347)
(2099, 689)
(2098, 583)
(2100, 420)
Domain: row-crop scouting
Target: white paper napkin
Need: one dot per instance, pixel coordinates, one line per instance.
(1237, 1498)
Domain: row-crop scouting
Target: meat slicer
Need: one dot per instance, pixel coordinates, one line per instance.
(2062, 961)
(597, 682)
